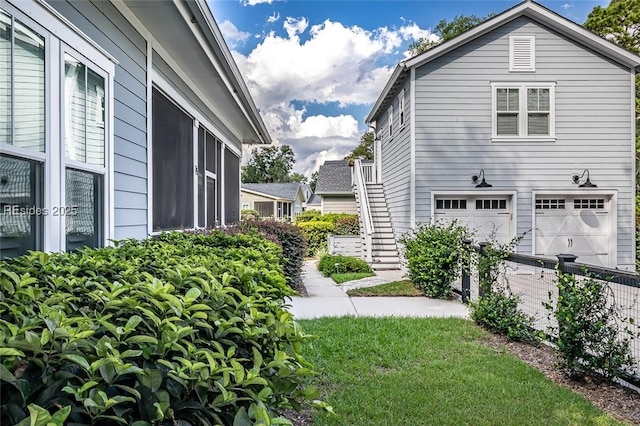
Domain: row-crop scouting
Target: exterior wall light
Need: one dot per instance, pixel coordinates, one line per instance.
(483, 183)
(587, 183)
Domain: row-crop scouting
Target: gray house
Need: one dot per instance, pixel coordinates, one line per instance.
(335, 188)
(118, 119)
(523, 123)
(277, 200)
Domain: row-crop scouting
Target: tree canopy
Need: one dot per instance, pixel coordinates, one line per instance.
(270, 164)
(364, 151)
(446, 31)
(618, 22)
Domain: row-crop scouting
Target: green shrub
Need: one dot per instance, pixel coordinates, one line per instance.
(292, 241)
(498, 312)
(185, 329)
(331, 264)
(249, 214)
(348, 225)
(591, 335)
(433, 253)
(308, 216)
(316, 233)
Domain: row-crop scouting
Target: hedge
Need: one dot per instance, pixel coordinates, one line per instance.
(317, 227)
(331, 264)
(316, 233)
(185, 329)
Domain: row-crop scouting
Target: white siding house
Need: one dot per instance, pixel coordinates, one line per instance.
(536, 107)
(118, 119)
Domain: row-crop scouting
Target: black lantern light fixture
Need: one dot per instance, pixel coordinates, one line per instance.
(483, 183)
(587, 183)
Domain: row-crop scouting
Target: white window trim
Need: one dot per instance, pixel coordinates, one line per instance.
(390, 121)
(532, 46)
(522, 112)
(59, 34)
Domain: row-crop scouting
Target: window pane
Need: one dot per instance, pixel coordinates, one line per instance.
(83, 209)
(211, 203)
(544, 102)
(75, 109)
(264, 208)
(21, 211)
(5, 77)
(172, 166)
(29, 86)
(532, 99)
(501, 98)
(514, 100)
(507, 124)
(538, 124)
(95, 120)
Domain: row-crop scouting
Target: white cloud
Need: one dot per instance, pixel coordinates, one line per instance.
(323, 63)
(567, 6)
(275, 17)
(232, 34)
(255, 2)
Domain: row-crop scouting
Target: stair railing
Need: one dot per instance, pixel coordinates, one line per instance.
(365, 209)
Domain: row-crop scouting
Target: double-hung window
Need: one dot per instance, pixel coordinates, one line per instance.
(401, 109)
(390, 121)
(523, 111)
(55, 122)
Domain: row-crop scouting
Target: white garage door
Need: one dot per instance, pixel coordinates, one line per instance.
(485, 215)
(574, 224)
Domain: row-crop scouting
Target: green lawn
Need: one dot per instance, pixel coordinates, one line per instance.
(350, 276)
(399, 371)
(395, 288)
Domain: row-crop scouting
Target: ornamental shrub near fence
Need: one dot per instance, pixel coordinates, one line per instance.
(317, 233)
(433, 253)
(292, 241)
(181, 329)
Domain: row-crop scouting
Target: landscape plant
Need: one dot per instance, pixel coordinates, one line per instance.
(182, 329)
(591, 336)
(317, 227)
(335, 263)
(496, 308)
(434, 253)
(292, 242)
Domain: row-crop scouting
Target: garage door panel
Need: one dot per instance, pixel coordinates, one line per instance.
(574, 224)
(486, 216)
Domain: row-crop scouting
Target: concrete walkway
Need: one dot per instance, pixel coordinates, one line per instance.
(327, 299)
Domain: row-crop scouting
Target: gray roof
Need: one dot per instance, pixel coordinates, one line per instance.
(286, 191)
(334, 177)
(314, 200)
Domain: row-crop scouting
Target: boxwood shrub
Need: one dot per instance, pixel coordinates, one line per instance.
(317, 227)
(183, 329)
(331, 264)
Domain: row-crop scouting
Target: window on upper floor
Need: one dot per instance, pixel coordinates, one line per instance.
(401, 108)
(390, 120)
(54, 127)
(523, 111)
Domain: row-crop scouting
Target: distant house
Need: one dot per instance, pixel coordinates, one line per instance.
(314, 202)
(119, 119)
(277, 200)
(525, 123)
(335, 188)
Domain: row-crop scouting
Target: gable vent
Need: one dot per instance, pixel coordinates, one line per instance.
(522, 53)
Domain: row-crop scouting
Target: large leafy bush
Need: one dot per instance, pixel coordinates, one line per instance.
(183, 329)
(331, 264)
(317, 227)
(433, 253)
(291, 240)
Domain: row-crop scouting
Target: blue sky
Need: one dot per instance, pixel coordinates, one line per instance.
(315, 68)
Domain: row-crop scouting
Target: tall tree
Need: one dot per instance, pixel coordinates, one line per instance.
(269, 164)
(364, 151)
(297, 177)
(620, 23)
(446, 31)
(313, 181)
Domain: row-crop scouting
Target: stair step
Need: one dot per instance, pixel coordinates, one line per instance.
(388, 246)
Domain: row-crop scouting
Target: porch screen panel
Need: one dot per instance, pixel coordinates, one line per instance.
(219, 179)
(84, 198)
(231, 187)
(172, 166)
(201, 177)
(264, 208)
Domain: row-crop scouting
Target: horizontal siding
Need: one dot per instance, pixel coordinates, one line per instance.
(336, 204)
(104, 24)
(396, 166)
(593, 126)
